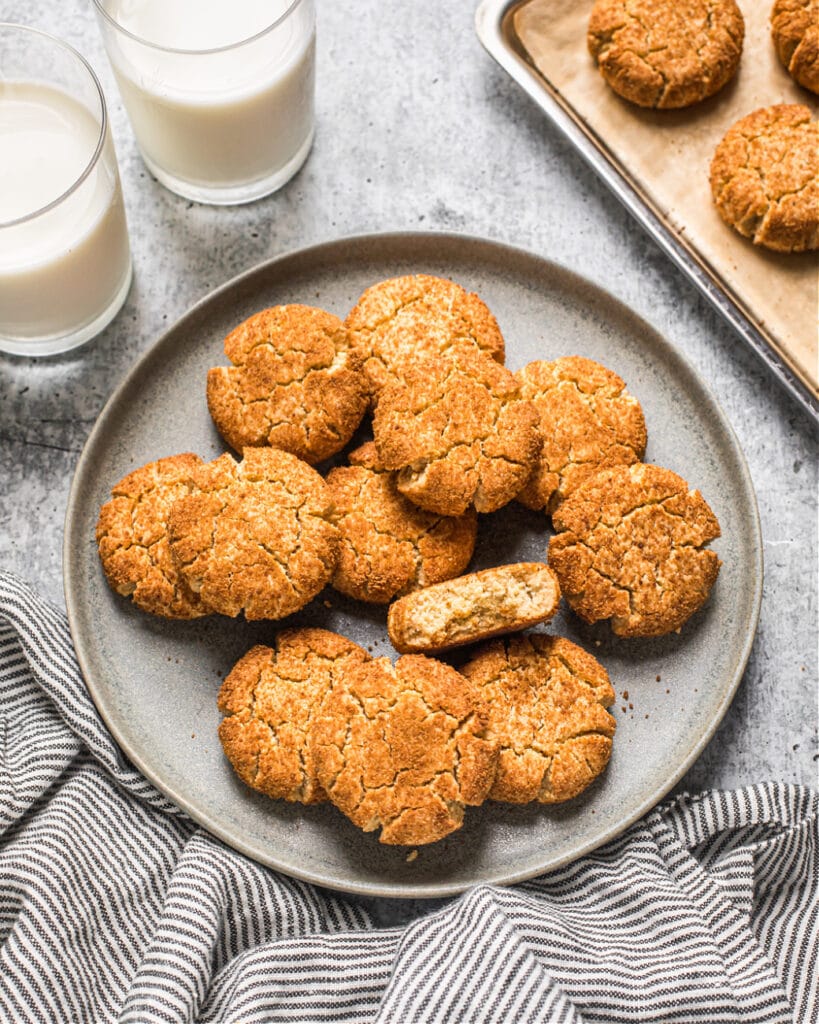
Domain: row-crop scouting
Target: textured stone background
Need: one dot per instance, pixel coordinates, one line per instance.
(418, 129)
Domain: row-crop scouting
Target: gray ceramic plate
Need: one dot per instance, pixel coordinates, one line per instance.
(155, 682)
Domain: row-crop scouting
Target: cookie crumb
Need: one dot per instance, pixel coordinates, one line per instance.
(413, 855)
(625, 694)
(659, 679)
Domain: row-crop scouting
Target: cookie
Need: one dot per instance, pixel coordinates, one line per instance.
(404, 318)
(795, 33)
(765, 178)
(256, 536)
(388, 545)
(588, 422)
(666, 53)
(630, 548)
(296, 383)
(132, 537)
(458, 432)
(474, 607)
(269, 701)
(547, 701)
(403, 748)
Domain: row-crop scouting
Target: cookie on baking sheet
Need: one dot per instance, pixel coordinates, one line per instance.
(296, 383)
(404, 318)
(475, 607)
(388, 545)
(666, 53)
(588, 422)
(269, 700)
(403, 748)
(795, 32)
(458, 432)
(256, 535)
(765, 178)
(132, 537)
(547, 701)
(630, 548)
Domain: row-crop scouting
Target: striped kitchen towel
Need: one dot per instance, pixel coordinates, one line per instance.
(114, 906)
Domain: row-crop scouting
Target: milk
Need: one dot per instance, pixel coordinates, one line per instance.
(63, 271)
(236, 119)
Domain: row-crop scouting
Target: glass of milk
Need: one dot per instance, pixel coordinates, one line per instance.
(65, 263)
(219, 92)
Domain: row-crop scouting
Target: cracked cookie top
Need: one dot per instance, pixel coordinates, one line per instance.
(547, 701)
(765, 178)
(666, 53)
(458, 432)
(269, 700)
(795, 32)
(132, 537)
(388, 545)
(403, 748)
(588, 422)
(296, 383)
(630, 548)
(256, 535)
(404, 318)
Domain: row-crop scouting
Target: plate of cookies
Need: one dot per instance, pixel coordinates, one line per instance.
(411, 562)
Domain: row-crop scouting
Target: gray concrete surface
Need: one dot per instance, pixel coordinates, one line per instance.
(418, 129)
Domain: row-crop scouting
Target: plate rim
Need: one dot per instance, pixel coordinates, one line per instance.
(201, 817)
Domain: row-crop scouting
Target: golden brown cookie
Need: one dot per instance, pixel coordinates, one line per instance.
(765, 178)
(474, 607)
(402, 747)
(459, 433)
(666, 53)
(630, 548)
(588, 422)
(406, 318)
(388, 545)
(269, 700)
(795, 32)
(132, 536)
(296, 383)
(547, 701)
(256, 536)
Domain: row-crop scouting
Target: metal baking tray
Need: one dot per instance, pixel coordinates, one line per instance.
(495, 28)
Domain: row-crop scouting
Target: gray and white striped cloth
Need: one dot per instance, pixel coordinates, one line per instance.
(114, 906)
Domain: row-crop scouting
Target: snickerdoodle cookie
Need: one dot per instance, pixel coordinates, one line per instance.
(765, 178)
(795, 32)
(458, 432)
(404, 318)
(388, 545)
(256, 535)
(403, 747)
(547, 701)
(296, 383)
(475, 607)
(269, 700)
(588, 422)
(132, 536)
(630, 548)
(666, 53)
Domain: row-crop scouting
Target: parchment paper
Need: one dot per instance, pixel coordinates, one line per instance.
(667, 155)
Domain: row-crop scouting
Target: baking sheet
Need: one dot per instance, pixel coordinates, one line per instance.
(666, 157)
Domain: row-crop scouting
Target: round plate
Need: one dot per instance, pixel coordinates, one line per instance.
(155, 682)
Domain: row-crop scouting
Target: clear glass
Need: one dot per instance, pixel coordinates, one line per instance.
(219, 94)
(65, 262)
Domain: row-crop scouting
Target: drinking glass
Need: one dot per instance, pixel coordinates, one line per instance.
(219, 94)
